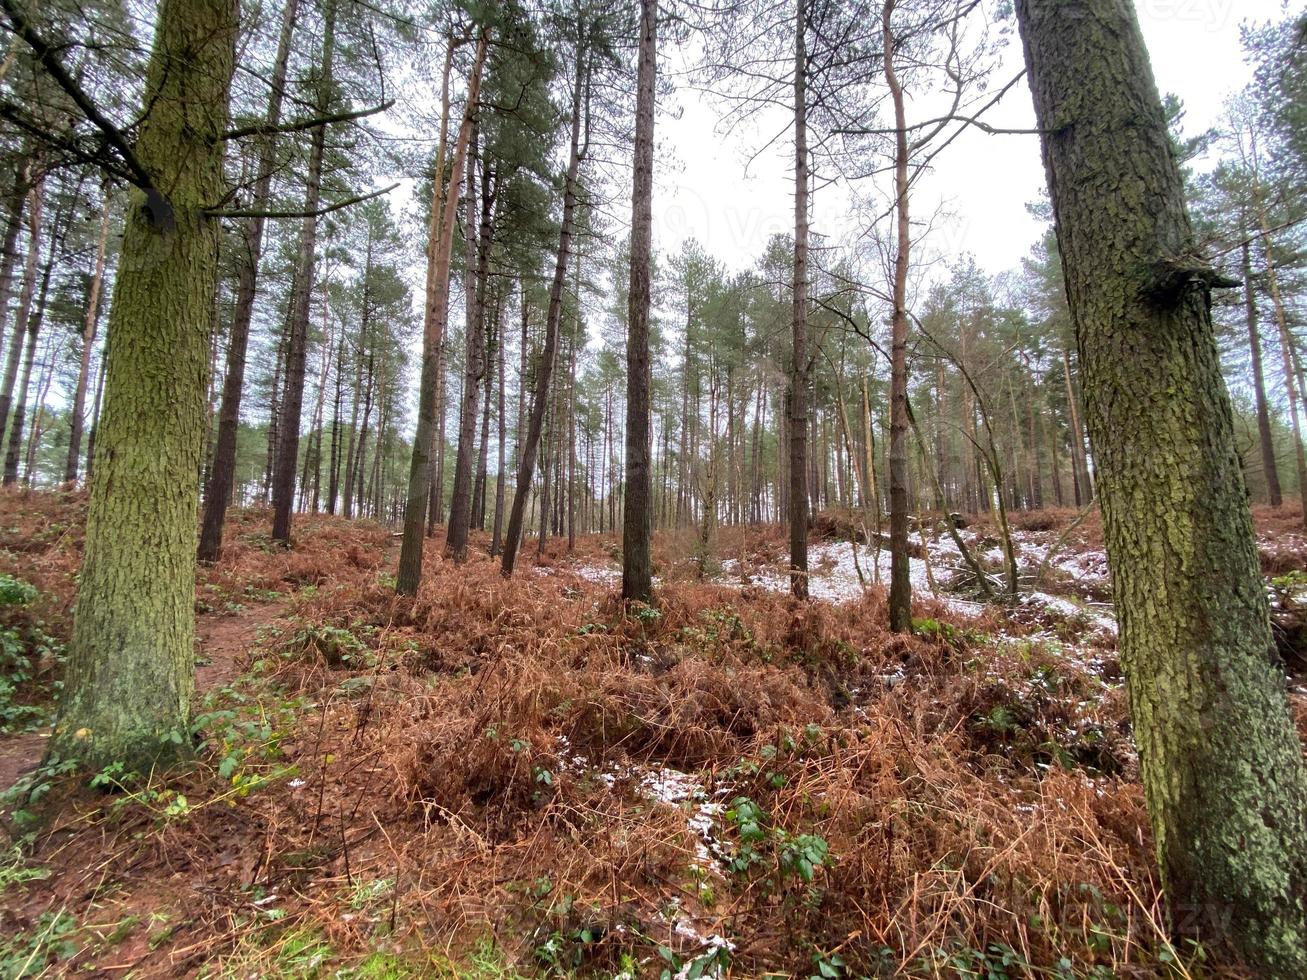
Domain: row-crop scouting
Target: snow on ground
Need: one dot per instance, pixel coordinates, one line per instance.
(599, 574)
(1100, 618)
(686, 792)
(1082, 566)
(834, 574)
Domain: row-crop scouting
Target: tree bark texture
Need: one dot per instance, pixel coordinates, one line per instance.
(1222, 764)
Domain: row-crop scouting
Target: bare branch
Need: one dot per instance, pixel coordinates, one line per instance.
(275, 215)
(299, 125)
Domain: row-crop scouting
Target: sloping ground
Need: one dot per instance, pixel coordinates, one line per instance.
(520, 777)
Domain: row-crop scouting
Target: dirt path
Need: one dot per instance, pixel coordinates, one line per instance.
(224, 639)
(19, 755)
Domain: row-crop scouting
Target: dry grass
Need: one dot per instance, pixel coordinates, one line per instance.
(473, 764)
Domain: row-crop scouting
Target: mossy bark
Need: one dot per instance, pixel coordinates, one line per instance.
(1222, 763)
(131, 659)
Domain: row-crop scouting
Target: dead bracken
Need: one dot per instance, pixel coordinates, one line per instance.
(739, 780)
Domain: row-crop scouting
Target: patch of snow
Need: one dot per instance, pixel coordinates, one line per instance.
(833, 576)
(1101, 620)
(1083, 566)
(672, 787)
(709, 945)
(597, 573)
(668, 785)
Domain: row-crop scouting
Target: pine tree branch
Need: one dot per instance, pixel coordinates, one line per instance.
(47, 55)
(299, 125)
(275, 215)
(67, 146)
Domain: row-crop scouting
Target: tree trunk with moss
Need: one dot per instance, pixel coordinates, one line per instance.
(1222, 764)
(131, 664)
(900, 581)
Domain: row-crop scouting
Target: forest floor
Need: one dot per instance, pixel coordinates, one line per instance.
(523, 778)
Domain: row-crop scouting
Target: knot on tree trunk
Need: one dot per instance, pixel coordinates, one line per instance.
(1171, 276)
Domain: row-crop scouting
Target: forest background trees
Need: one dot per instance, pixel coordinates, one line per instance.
(722, 432)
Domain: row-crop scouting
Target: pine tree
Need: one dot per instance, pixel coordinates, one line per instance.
(131, 659)
(1221, 760)
(637, 513)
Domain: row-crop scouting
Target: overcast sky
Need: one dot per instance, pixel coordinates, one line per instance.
(983, 181)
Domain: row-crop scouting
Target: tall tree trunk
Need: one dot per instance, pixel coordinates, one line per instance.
(288, 445)
(30, 269)
(436, 495)
(1079, 468)
(439, 251)
(637, 508)
(94, 425)
(77, 421)
(32, 315)
(1035, 433)
(275, 395)
(39, 417)
(483, 451)
(1221, 761)
(360, 360)
(1291, 378)
(1270, 470)
(478, 259)
(540, 398)
(375, 489)
(131, 660)
(578, 331)
(15, 202)
(1056, 465)
(312, 474)
(500, 476)
(546, 501)
(222, 475)
(519, 433)
(799, 287)
(360, 459)
(900, 587)
(333, 468)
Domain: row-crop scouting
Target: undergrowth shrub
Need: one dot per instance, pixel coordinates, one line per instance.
(732, 781)
(28, 656)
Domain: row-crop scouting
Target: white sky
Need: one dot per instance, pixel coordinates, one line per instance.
(983, 181)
